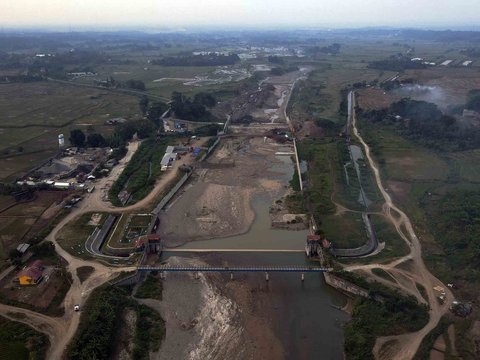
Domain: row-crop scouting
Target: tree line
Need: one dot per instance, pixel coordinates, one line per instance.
(425, 123)
(397, 63)
(195, 109)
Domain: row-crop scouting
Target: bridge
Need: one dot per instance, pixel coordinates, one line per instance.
(232, 269)
(176, 250)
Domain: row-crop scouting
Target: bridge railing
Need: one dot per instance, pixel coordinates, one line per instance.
(301, 269)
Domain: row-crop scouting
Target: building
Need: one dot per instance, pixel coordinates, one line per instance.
(149, 243)
(22, 248)
(32, 274)
(154, 245)
(471, 114)
(312, 247)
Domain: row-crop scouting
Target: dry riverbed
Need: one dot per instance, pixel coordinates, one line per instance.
(218, 201)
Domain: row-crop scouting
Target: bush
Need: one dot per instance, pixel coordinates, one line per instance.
(98, 326)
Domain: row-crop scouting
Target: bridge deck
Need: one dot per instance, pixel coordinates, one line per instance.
(302, 269)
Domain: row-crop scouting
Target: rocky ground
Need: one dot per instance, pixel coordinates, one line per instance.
(204, 322)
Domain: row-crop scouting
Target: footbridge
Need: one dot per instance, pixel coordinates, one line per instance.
(232, 269)
(179, 250)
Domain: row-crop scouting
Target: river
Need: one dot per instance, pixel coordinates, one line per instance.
(303, 314)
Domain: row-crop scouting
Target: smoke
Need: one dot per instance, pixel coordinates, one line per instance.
(434, 94)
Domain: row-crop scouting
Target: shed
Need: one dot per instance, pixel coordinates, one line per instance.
(22, 248)
(32, 274)
(167, 160)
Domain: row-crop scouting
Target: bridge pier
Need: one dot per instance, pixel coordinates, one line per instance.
(163, 275)
(197, 275)
(303, 277)
(266, 276)
(231, 276)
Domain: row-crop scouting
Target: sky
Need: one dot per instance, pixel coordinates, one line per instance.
(238, 13)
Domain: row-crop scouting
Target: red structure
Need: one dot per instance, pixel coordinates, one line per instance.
(312, 247)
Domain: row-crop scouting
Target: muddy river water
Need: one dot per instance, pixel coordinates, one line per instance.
(303, 315)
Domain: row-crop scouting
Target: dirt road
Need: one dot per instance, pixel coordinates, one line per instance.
(62, 329)
(405, 346)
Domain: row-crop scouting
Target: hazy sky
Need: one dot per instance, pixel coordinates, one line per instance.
(263, 13)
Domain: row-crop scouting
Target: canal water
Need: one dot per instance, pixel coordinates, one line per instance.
(305, 316)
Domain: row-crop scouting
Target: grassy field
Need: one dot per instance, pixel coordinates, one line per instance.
(386, 233)
(401, 159)
(24, 221)
(32, 115)
(116, 239)
(346, 230)
(72, 237)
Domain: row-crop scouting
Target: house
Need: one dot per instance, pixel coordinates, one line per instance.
(22, 248)
(32, 274)
(149, 243)
(167, 160)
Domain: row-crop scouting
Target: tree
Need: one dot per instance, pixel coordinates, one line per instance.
(155, 111)
(275, 59)
(205, 99)
(193, 110)
(144, 128)
(135, 84)
(77, 138)
(96, 140)
(143, 103)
